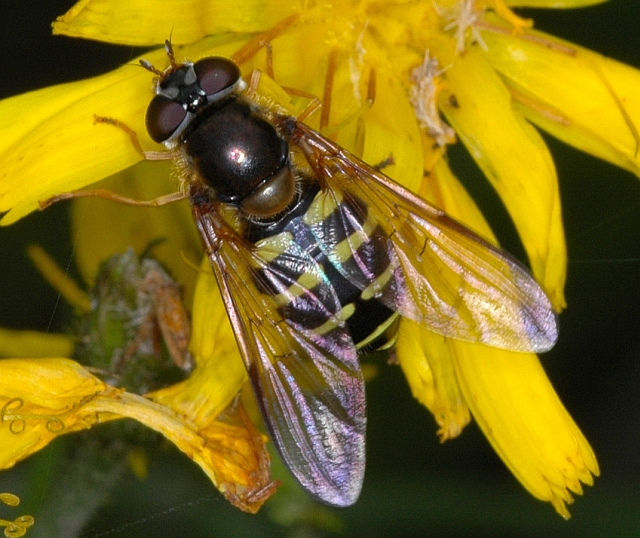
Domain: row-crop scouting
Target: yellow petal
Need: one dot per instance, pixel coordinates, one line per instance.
(240, 458)
(588, 101)
(65, 381)
(516, 407)
(232, 456)
(514, 158)
(144, 22)
(56, 147)
(59, 279)
(39, 400)
(425, 358)
(34, 344)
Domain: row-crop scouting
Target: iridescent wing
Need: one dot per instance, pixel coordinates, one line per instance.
(299, 354)
(437, 271)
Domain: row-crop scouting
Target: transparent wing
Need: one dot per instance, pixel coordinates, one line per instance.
(299, 355)
(434, 270)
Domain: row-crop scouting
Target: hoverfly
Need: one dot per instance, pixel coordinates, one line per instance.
(317, 255)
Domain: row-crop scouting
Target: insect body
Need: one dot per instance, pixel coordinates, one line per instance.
(317, 254)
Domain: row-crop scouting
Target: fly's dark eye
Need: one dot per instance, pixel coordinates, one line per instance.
(216, 74)
(164, 116)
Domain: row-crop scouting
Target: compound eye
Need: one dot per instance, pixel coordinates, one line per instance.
(216, 74)
(163, 117)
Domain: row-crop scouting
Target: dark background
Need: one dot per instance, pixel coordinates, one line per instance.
(414, 486)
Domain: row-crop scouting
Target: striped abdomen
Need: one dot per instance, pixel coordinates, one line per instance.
(338, 237)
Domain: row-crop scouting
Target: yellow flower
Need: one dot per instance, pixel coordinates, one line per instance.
(395, 68)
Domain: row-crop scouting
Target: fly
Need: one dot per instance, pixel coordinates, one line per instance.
(317, 256)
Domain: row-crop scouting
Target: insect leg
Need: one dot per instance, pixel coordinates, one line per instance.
(135, 142)
(311, 108)
(108, 195)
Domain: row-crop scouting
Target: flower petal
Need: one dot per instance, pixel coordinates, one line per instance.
(144, 22)
(425, 358)
(52, 144)
(59, 280)
(516, 407)
(34, 344)
(39, 400)
(588, 101)
(514, 158)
